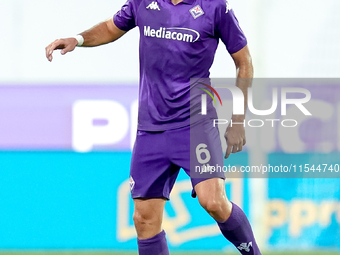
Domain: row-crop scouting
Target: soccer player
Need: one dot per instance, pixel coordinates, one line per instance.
(178, 40)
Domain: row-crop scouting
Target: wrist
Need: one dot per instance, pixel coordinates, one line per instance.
(238, 118)
(80, 39)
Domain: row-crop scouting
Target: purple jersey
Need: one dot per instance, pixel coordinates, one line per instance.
(177, 43)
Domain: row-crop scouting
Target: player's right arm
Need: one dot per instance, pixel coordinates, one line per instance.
(100, 34)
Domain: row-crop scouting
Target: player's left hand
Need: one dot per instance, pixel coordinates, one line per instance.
(236, 138)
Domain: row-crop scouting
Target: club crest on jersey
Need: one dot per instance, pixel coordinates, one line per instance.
(132, 183)
(196, 11)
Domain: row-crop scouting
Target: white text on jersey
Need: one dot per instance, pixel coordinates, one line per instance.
(173, 33)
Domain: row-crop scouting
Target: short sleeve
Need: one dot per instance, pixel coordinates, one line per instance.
(124, 19)
(228, 29)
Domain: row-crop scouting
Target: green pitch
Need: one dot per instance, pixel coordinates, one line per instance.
(173, 253)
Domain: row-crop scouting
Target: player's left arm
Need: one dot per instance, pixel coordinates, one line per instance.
(235, 134)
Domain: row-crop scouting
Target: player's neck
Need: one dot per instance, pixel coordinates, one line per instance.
(175, 2)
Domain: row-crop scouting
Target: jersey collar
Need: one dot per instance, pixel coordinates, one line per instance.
(185, 1)
(188, 1)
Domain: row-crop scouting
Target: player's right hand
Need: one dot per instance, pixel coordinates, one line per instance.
(65, 45)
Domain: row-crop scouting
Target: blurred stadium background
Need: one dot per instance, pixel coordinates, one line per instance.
(64, 163)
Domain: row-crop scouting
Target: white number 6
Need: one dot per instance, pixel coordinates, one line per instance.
(200, 149)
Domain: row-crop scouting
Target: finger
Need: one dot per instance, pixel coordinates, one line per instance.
(46, 50)
(49, 50)
(240, 147)
(235, 148)
(244, 141)
(57, 44)
(68, 48)
(229, 148)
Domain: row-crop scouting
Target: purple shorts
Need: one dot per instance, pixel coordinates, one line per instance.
(158, 156)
